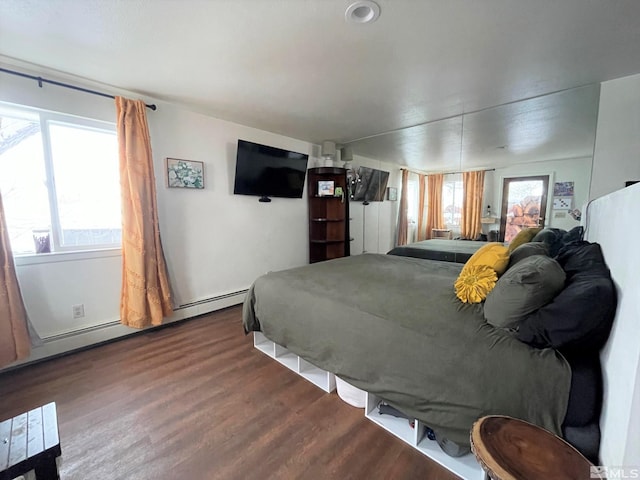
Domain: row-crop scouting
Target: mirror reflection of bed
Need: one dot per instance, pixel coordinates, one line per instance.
(445, 250)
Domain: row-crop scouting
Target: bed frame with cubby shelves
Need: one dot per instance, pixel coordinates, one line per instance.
(466, 466)
(320, 378)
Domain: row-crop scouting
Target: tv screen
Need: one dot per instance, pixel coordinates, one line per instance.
(269, 171)
(370, 184)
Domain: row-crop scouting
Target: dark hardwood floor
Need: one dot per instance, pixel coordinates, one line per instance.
(195, 400)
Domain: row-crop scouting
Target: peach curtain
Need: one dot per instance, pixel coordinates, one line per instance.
(145, 298)
(435, 215)
(14, 334)
(403, 216)
(473, 188)
(422, 233)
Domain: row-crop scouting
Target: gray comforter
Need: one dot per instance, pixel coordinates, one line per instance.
(393, 326)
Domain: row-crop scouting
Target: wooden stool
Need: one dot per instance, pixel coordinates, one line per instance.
(28, 442)
(512, 449)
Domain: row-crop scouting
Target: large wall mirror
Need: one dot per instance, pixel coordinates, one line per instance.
(548, 136)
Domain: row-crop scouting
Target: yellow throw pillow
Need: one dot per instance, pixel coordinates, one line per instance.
(524, 236)
(474, 283)
(493, 254)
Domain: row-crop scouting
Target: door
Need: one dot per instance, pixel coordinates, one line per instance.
(524, 205)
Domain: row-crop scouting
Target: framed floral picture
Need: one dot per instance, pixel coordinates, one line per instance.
(185, 173)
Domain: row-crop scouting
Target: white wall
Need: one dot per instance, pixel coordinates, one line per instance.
(617, 157)
(215, 243)
(379, 218)
(577, 170)
(51, 284)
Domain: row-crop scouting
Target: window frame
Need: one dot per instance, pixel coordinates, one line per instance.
(46, 119)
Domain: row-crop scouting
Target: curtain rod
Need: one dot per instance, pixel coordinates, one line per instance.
(42, 80)
(419, 172)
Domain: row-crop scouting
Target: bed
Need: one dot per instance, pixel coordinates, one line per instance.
(340, 303)
(457, 251)
(438, 361)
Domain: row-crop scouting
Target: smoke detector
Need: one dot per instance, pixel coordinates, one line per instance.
(362, 11)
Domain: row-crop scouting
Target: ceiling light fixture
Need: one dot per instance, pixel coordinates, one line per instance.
(362, 11)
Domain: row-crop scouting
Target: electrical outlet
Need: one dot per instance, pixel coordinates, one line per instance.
(78, 310)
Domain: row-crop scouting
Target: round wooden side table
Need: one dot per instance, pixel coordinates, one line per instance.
(512, 449)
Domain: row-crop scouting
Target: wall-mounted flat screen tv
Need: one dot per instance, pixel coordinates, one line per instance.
(267, 171)
(370, 184)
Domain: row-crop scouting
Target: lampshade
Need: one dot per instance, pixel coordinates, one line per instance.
(328, 149)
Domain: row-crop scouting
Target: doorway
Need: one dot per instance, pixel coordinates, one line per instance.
(524, 205)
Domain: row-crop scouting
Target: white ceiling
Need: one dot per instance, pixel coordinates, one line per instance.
(296, 68)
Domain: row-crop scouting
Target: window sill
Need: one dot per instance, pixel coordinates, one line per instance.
(54, 257)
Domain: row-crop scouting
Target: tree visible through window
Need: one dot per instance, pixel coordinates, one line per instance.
(452, 196)
(524, 199)
(59, 181)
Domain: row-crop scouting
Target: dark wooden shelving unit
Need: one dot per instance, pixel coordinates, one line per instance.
(328, 215)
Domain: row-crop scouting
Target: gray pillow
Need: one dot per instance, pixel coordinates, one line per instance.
(527, 250)
(530, 284)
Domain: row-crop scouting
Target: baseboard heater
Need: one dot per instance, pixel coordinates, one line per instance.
(211, 299)
(79, 331)
(93, 328)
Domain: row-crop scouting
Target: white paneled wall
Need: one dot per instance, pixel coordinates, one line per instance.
(373, 226)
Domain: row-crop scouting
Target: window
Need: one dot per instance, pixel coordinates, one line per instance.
(524, 204)
(413, 189)
(59, 182)
(452, 201)
(412, 198)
